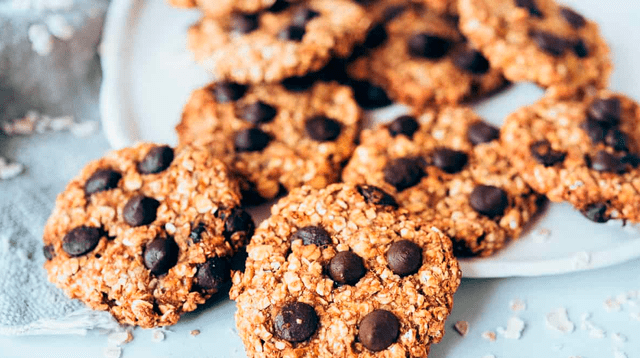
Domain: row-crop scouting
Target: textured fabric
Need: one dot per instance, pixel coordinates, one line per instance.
(64, 81)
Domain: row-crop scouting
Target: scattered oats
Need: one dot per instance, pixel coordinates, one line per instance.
(112, 352)
(517, 305)
(84, 129)
(514, 329)
(119, 338)
(541, 236)
(9, 170)
(581, 260)
(622, 298)
(586, 325)
(618, 338)
(462, 327)
(489, 336)
(617, 353)
(41, 40)
(59, 27)
(61, 123)
(559, 321)
(195, 332)
(557, 347)
(157, 336)
(612, 305)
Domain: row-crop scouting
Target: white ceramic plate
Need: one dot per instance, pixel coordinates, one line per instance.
(148, 75)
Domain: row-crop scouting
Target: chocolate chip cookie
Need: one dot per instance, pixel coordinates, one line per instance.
(420, 58)
(268, 46)
(146, 233)
(275, 136)
(582, 151)
(448, 167)
(538, 41)
(342, 272)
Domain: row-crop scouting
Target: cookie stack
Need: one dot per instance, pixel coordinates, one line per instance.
(366, 267)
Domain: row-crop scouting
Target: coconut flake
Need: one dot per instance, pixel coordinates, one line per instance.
(514, 329)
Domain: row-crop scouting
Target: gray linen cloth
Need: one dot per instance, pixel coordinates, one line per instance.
(53, 68)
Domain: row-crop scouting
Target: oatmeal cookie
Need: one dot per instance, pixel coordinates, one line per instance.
(273, 136)
(269, 46)
(225, 7)
(538, 41)
(146, 233)
(448, 167)
(582, 151)
(420, 58)
(449, 7)
(342, 272)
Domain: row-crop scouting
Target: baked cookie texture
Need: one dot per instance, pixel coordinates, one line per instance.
(538, 41)
(449, 7)
(447, 167)
(146, 233)
(225, 7)
(270, 46)
(273, 137)
(342, 272)
(581, 151)
(420, 58)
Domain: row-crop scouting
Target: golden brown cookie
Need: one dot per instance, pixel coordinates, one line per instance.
(270, 46)
(342, 272)
(273, 136)
(146, 233)
(420, 58)
(447, 167)
(225, 7)
(582, 151)
(538, 41)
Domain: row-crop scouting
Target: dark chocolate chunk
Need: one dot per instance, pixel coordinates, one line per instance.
(101, 180)
(229, 91)
(140, 210)
(279, 6)
(404, 173)
(346, 268)
(370, 96)
(481, 132)
(376, 36)
(545, 155)
(617, 140)
(160, 255)
(251, 140)
(257, 113)
(49, 252)
(244, 23)
(157, 160)
(471, 61)
(238, 261)
(489, 200)
(580, 49)
(296, 322)
(81, 240)
(404, 257)
(573, 18)
(238, 221)
(374, 195)
(607, 111)
(213, 274)
(292, 33)
(550, 43)
(406, 125)
(449, 160)
(300, 84)
(303, 15)
(596, 213)
(378, 330)
(312, 235)
(595, 130)
(323, 129)
(428, 46)
(531, 6)
(608, 163)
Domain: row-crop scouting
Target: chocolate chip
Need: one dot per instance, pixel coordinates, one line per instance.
(213, 274)
(404, 257)
(49, 252)
(323, 129)
(299, 84)
(238, 221)
(296, 322)
(595, 130)
(244, 23)
(545, 155)
(157, 159)
(346, 268)
(607, 111)
(489, 200)
(376, 196)
(531, 6)
(617, 140)
(81, 240)
(573, 18)
(607, 163)
(428, 46)
(550, 43)
(251, 140)
(257, 113)
(101, 180)
(303, 15)
(292, 33)
(449, 160)
(279, 6)
(312, 235)
(596, 213)
(580, 49)
(238, 261)
(228, 91)
(403, 173)
(481, 132)
(160, 255)
(471, 61)
(140, 210)
(370, 96)
(631, 159)
(196, 233)
(378, 330)
(393, 11)
(406, 125)
(376, 36)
